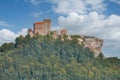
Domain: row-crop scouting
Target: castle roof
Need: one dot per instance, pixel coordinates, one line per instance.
(38, 22)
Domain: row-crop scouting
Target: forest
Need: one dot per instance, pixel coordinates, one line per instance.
(45, 58)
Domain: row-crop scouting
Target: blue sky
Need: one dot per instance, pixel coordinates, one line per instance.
(98, 18)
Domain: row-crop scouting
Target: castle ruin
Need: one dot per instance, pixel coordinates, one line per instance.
(63, 32)
(44, 28)
(41, 28)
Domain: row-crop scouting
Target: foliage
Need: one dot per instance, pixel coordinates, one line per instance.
(44, 58)
(6, 47)
(19, 40)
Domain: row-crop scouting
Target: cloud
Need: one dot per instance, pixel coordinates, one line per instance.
(107, 28)
(80, 23)
(116, 1)
(55, 28)
(7, 36)
(23, 32)
(36, 14)
(3, 23)
(92, 24)
(86, 17)
(79, 6)
(34, 2)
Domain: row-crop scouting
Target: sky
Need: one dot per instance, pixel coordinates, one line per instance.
(99, 18)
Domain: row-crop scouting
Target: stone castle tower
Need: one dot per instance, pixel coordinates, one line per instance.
(41, 28)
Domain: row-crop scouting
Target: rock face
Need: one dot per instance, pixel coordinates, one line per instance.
(94, 44)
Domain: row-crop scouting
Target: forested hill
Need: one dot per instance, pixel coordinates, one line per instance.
(45, 58)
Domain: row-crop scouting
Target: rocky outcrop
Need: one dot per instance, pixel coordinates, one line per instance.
(90, 42)
(94, 44)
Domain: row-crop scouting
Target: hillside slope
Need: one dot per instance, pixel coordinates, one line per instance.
(45, 58)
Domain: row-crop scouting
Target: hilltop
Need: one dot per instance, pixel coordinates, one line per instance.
(44, 58)
(44, 54)
(44, 28)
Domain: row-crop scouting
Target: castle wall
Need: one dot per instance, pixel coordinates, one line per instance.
(38, 28)
(63, 32)
(47, 24)
(55, 34)
(42, 28)
(30, 32)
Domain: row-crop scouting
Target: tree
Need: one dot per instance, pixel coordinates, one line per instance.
(7, 46)
(19, 40)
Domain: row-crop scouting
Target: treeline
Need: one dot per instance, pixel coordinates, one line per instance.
(45, 58)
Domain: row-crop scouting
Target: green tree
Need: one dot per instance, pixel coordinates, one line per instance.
(19, 40)
(7, 46)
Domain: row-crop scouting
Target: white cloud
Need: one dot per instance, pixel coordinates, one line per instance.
(79, 6)
(55, 28)
(3, 24)
(34, 2)
(23, 32)
(107, 28)
(116, 1)
(7, 36)
(92, 24)
(81, 23)
(36, 14)
(86, 17)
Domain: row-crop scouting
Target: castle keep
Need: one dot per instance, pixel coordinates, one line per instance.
(41, 28)
(44, 28)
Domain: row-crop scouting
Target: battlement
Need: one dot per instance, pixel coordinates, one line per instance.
(39, 23)
(47, 21)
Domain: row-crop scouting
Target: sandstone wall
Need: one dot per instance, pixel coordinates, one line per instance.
(63, 32)
(41, 28)
(30, 32)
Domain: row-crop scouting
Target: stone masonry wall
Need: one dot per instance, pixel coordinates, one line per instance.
(41, 28)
